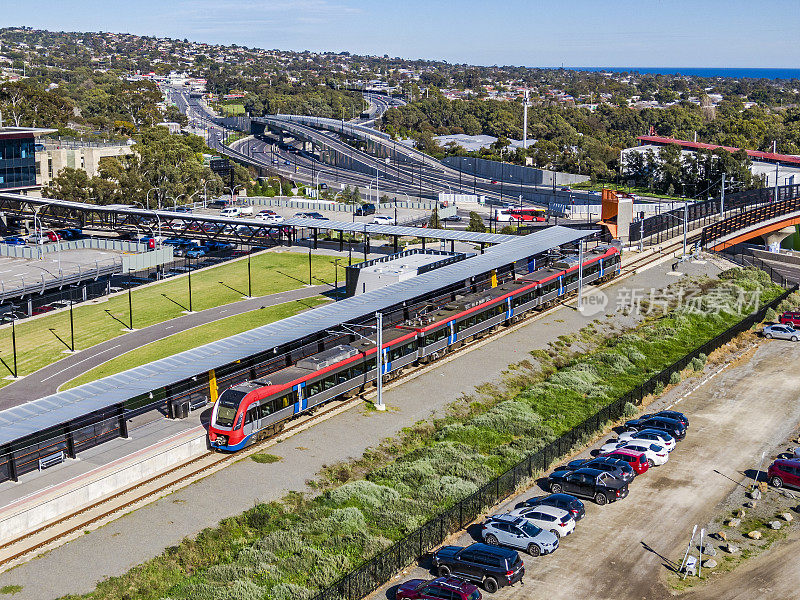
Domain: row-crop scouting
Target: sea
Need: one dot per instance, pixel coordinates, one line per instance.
(734, 72)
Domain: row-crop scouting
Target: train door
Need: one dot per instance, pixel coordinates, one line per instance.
(560, 285)
(301, 403)
(250, 420)
(509, 309)
(453, 336)
(601, 267)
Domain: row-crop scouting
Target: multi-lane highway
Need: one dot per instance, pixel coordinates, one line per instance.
(412, 174)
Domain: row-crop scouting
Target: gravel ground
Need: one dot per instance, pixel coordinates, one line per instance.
(136, 537)
(640, 535)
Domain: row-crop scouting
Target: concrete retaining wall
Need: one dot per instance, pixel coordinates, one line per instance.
(20, 517)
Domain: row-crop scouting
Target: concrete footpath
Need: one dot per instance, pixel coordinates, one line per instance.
(136, 537)
(47, 380)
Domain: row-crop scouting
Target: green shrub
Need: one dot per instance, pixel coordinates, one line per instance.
(770, 315)
(675, 378)
(630, 410)
(264, 458)
(364, 493)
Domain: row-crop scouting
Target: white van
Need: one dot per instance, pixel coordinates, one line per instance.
(246, 210)
(231, 211)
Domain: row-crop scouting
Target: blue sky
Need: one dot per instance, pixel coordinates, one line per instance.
(659, 33)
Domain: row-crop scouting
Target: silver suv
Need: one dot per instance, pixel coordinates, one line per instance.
(517, 532)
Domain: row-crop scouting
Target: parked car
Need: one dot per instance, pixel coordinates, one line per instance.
(176, 242)
(669, 414)
(784, 471)
(566, 188)
(218, 204)
(14, 241)
(673, 427)
(565, 501)
(382, 220)
(490, 566)
(213, 246)
(656, 454)
(365, 210)
(452, 219)
(637, 460)
(518, 532)
(273, 219)
(13, 315)
(311, 215)
(790, 317)
(588, 483)
(38, 238)
(196, 251)
(263, 214)
(436, 589)
(618, 468)
(657, 436)
(52, 236)
(230, 211)
(781, 332)
(557, 521)
(184, 208)
(44, 308)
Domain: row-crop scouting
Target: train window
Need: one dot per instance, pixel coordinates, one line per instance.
(313, 389)
(265, 409)
(342, 376)
(371, 364)
(357, 370)
(252, 415)
(329, 382)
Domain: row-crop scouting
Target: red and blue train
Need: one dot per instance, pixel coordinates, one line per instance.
(256, 409)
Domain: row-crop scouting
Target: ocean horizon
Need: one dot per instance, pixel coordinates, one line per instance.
(731, 72)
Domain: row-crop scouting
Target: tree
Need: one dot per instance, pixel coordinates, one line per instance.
(435, 222)
(70, 184)
(476, 223)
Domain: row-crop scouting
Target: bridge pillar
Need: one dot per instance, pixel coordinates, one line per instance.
(773, 239)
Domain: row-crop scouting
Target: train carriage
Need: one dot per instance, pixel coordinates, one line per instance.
(255, 409)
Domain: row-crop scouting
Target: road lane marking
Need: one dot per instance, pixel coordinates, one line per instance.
(82, 361)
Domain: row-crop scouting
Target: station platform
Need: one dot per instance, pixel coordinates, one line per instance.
(154, 444)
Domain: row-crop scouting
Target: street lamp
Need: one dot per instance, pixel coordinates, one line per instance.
(147, 197)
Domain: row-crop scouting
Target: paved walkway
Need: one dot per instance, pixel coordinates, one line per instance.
(112, 550)
(47, 380)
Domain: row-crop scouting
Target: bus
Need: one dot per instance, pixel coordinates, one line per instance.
(521, 215)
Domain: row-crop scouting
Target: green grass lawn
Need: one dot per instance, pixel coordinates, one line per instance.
(272, 272)
(232, 110)
(195, 337)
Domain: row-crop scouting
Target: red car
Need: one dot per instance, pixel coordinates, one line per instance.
(52, 236)
(784, 471)
(792, 317)
(637, 460)
(42, 309)
(441, 587)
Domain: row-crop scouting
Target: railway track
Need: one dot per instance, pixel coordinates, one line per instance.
(148, 490)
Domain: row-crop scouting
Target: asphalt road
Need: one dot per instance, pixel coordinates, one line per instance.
(46, 381)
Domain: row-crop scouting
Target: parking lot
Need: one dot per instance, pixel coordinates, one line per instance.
(622, 550)
(403, 214)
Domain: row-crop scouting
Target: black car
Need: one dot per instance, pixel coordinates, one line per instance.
(563, 501)
(618, 468)
(218, 204)
(602, 487)
(365, 209)
(491, 566)
(675, 428)
(669, 414)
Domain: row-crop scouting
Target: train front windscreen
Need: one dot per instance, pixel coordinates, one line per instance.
(228, 404)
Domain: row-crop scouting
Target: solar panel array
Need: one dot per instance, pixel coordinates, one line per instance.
(60, 408)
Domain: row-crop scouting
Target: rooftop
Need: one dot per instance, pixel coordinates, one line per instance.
(35, 416)
(756, 155)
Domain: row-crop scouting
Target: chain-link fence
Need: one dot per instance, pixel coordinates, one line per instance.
(382, 567)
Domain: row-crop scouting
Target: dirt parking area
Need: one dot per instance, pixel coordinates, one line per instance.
(623, 550)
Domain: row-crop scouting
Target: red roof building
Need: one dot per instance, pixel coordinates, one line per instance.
(756, 155)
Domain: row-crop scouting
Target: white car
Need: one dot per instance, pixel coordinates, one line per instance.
(231, 211)
(382, 220)
(781, 331)
(656, 455)
(271, 219)
(555, 520)
(662, 438)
